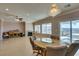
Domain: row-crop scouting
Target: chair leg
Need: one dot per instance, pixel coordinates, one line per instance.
(38, 52)
(43, 52)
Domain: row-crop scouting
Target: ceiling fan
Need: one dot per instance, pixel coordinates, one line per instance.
(19, 18)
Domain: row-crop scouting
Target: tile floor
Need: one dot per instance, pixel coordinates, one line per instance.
(17, 47)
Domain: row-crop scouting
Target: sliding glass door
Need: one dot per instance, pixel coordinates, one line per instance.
(75, 30)
(65, 32)
(69, 31)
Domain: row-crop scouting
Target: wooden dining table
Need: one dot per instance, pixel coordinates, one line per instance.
(44, 45)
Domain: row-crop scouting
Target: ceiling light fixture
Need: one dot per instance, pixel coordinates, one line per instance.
(54, 10)
(6, 9)
(19, 18)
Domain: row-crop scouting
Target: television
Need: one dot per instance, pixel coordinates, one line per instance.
(29, 33)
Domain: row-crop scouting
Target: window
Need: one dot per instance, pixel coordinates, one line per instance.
(37, 28)
(65, 32)
(69, 31)
(46, 28)
(49, 28)
(75, 30)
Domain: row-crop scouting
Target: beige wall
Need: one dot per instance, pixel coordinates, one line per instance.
(6, 26)
(56, 21)
(0, 27)
(9, 26)
(29, 27)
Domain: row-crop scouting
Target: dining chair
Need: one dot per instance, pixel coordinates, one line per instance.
(35, 48)
(56, 51)
(73, 48)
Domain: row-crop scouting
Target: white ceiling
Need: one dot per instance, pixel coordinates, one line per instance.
(31, 11)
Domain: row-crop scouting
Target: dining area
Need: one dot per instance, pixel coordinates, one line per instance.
(53, 47)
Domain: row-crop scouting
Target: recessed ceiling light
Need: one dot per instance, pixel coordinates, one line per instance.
(6, 9)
